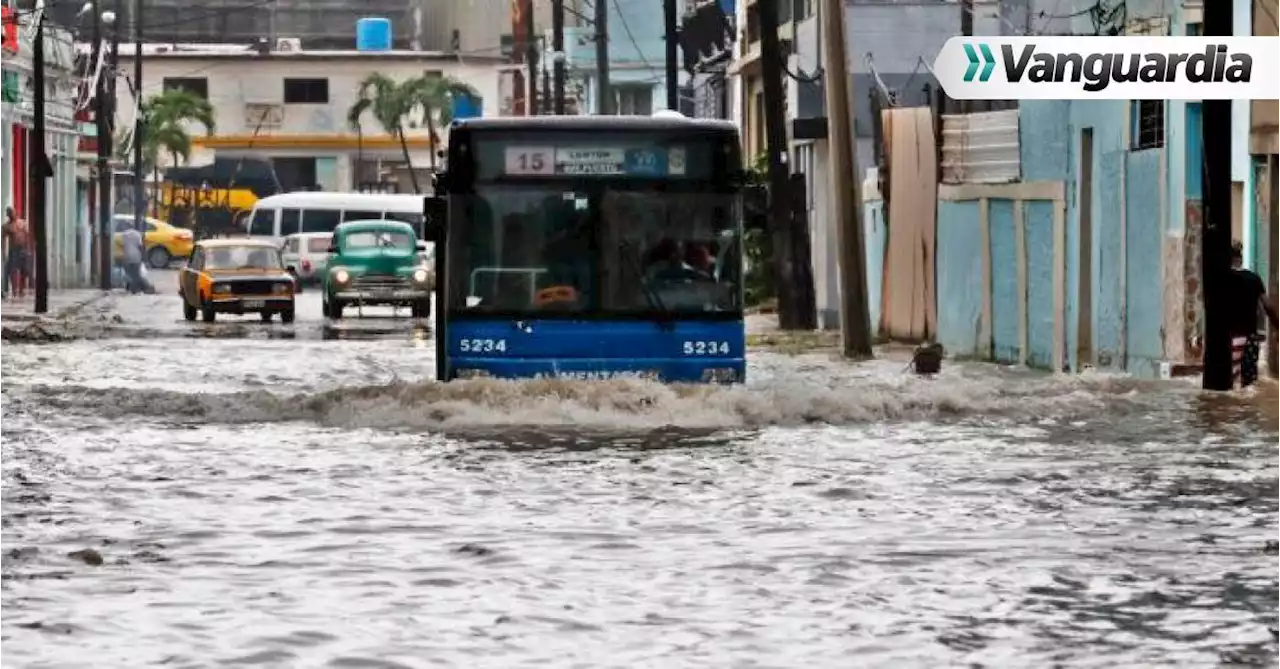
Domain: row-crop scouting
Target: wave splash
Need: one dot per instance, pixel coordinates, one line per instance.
(616, 404)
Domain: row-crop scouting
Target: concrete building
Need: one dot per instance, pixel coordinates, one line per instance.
(1047, 260)
(1059, 267)
(292, 107)
(68, 232)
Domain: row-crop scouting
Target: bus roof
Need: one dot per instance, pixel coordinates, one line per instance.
(598, 123)
(398, 202)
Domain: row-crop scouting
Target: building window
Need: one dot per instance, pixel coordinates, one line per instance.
(306, 91)
(198, 86)
(757, 111)
(633, 100)
(1148, 124)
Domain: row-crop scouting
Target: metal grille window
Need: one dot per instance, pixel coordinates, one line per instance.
(1148, 124)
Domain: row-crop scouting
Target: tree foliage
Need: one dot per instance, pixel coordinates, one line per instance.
(425, 100)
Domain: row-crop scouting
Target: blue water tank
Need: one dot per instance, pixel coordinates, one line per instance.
(373, 34)
(465, 106)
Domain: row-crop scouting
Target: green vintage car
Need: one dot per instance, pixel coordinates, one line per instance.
(377, 263)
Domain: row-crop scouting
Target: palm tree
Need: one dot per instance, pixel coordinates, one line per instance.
(165, 117)
(394, 105)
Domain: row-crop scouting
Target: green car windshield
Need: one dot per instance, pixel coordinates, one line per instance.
(372, 239)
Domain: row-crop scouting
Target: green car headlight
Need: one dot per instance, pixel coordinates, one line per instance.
(341, 276)
(420, 276)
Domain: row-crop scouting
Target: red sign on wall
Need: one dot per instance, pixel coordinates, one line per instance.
(10, 20)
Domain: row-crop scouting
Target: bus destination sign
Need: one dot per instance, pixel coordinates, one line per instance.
(594, 161)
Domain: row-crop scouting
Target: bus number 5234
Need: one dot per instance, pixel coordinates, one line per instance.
(701, 347)
(482, 345)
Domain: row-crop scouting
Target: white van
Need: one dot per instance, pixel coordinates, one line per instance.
(278, 216)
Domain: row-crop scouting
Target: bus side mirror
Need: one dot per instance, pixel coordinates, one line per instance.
(434, 211)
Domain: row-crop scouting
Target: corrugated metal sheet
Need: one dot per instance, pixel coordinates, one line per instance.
(981, 148)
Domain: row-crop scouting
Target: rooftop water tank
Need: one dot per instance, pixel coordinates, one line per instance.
(373, 34)
(465, 106)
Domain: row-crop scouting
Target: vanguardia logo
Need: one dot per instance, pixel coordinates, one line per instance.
(1098, 70)
(1109, 68)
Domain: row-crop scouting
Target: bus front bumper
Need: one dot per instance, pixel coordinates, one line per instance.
(666, 370)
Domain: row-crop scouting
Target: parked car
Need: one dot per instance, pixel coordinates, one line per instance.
(161, 242)
(306, 255)
(236, 276)
(377, 263)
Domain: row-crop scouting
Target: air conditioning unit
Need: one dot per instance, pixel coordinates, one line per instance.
(288, 45)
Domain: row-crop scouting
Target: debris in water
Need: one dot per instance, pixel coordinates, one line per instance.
(88, 556)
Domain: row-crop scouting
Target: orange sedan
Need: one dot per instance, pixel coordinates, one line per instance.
(236, 276)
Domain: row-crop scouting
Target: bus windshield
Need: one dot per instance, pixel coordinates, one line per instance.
(611, 248)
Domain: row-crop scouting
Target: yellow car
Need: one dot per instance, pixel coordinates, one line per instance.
(162, 242)
(236, 276)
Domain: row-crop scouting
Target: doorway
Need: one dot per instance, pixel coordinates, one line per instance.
(1084, 314)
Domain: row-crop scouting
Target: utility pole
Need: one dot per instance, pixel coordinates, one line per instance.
(1216, 238)
(673, 55)
(38, 171)
(604, 94)
(102, 124)
(789, 276)
(557, 54)
(844, 186)
(531, 58)
(139, 127)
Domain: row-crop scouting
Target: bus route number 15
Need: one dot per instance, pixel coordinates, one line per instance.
(706, 347)
(524, 160)
(482, 345)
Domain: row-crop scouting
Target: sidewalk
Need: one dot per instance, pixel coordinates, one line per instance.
(60, 302)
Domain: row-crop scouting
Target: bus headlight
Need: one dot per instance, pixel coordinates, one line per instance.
(341, 276)
(466, 374)
(420, 276)
(719, 375)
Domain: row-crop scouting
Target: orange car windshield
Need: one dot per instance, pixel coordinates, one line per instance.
(243, 258)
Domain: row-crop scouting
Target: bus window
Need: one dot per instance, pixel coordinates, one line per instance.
(289, 222)
(263, 222)
(525, 249)
(320, 220)
(361, 216)
(669, 251)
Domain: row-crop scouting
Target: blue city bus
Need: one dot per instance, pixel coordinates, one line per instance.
(590, 248)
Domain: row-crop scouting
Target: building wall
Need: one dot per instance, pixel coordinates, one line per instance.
(235, 81)
(67, 260)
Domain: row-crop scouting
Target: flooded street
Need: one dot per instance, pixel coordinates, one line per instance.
(240, 494)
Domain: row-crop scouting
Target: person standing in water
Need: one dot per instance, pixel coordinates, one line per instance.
(1248, 297)
(17, 261)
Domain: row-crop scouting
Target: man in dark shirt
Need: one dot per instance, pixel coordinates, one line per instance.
(1248, 294)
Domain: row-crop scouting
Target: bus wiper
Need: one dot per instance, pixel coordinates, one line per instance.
(650, 294)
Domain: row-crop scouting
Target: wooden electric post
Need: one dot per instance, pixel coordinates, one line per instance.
(1216, 237)
(844, 185)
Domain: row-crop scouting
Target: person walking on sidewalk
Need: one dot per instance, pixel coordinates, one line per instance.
(131, 258)
(17, 258)
(1249, 296)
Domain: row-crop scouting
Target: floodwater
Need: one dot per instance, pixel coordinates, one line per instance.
(240, 494)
